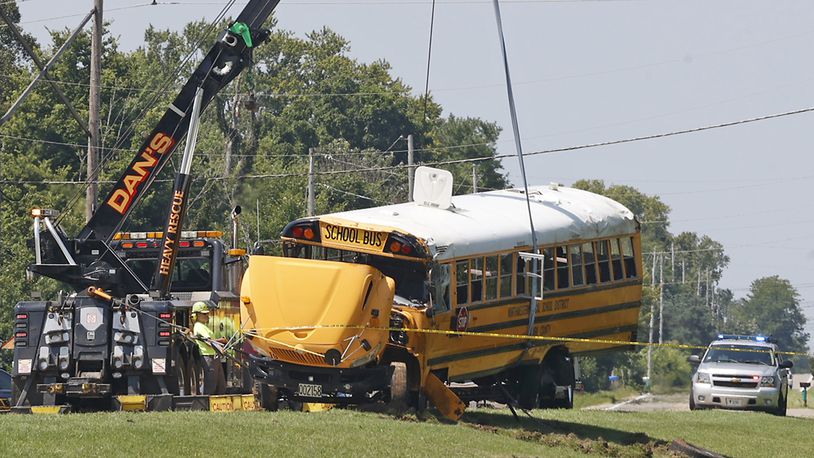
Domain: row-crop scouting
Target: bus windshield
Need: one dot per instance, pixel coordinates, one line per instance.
(410, 276)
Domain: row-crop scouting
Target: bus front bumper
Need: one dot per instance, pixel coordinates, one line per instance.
(323, 384)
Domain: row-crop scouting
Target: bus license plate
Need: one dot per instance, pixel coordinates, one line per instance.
(309, 391)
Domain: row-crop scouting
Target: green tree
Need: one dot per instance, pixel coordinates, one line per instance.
(455, 138)
(772, 307)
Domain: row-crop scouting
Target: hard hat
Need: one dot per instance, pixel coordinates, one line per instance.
(200, 307)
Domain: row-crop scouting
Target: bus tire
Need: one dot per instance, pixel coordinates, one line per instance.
(558, 370)
(398, 394)
(528, 393)
(266, 396)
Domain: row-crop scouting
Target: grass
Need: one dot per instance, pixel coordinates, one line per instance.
(482, 432)
(584, 399)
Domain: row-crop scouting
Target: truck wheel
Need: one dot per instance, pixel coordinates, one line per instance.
(182, 375)
(398, 387)
(196, 376)
(692, 401)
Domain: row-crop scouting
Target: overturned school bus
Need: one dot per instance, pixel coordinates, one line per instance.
(399, 302)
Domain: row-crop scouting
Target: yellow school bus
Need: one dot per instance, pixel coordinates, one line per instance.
(410, 301)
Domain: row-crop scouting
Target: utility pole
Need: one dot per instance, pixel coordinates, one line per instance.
(661, 299)
(474, 179)
(311, 198)
(92, 193)
(653, 272)
(410, 168)
(257, 216)
(672, 262)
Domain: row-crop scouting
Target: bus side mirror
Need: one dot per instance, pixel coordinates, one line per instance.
(694, 359)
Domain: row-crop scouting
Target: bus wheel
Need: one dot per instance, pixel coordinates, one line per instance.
(529, 389)
(398, 387)
(266, 396)
(558, 372)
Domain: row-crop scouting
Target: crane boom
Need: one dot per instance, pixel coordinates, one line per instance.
(224, 61)
(87, 259)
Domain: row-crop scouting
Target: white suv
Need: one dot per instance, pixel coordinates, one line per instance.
(741, 372)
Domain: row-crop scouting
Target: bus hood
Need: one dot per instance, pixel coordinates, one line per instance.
(297, 310)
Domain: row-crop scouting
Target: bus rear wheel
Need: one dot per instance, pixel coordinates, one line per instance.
(558, 380)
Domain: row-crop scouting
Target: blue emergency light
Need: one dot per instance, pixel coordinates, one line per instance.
(757, 338)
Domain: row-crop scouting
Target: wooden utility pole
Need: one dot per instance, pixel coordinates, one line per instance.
(474, 179)
(92, 194)
(410, 168)
(311, 198)
(661, 299)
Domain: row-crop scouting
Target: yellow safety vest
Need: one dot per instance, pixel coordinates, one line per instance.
(202, 330)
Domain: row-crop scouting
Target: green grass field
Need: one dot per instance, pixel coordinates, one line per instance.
(482, 432)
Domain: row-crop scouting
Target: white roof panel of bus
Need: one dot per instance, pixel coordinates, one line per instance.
(498, 220)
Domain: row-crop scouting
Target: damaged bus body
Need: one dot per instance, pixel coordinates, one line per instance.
(404, 302)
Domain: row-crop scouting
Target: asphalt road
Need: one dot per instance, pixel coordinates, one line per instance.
(672, 402)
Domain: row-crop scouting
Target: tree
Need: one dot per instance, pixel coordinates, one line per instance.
(456, 138)
(772, 308)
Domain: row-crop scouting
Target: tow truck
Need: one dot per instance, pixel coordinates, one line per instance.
(119, 339)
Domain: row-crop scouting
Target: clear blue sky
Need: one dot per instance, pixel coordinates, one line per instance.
(589, 71)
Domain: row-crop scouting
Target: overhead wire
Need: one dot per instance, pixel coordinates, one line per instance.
(534, 153)
(168, 78)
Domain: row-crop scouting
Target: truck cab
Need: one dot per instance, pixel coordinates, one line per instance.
(84, 350)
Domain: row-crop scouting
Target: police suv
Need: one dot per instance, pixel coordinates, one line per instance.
(741, 372)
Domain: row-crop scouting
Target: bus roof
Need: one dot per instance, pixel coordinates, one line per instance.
(498, 220)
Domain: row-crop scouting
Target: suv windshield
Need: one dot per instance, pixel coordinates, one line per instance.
(748, 354)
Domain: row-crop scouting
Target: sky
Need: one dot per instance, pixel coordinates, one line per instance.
(587, 71)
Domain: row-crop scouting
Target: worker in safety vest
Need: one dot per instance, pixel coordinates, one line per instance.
(214, 380)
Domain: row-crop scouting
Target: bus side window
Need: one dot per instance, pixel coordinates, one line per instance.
(548, 269)
(522, 279)
(462, 281)
(575, 256)
(506, 275)
(563, 281)
(439, 287)
(603, 255)
(616, 257)
(590, 263)
(490, 277)
(627, 253)
(476, 279)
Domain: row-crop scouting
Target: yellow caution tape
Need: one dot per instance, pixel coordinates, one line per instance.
(254, 333)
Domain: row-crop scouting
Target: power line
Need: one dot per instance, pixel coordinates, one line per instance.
(535, 153)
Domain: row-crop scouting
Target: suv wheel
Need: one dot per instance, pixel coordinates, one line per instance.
(692, 401)
(782, 405)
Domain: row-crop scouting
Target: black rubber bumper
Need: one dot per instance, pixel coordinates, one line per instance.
(335, 385)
